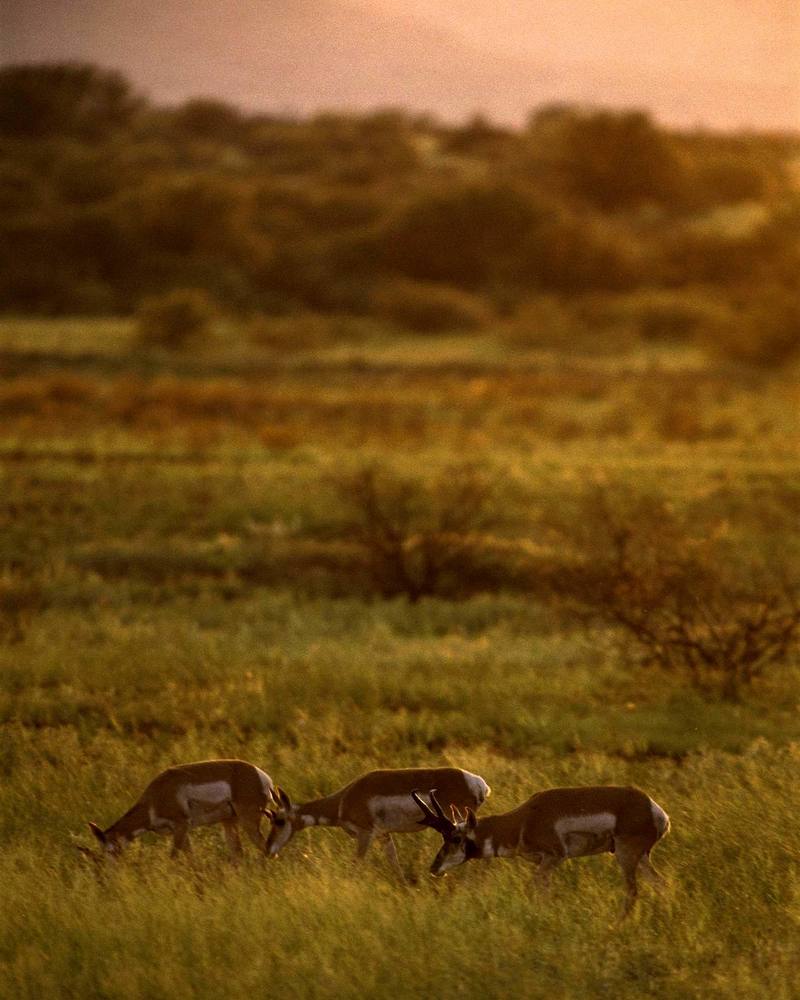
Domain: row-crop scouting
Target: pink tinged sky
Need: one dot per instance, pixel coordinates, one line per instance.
(721, 63)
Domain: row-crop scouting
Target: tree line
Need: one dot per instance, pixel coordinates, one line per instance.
(108, 199)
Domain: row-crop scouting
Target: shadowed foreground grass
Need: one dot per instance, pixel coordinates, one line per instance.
(316, 692)
(314, 924)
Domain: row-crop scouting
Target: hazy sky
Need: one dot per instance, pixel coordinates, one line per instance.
(723, 63)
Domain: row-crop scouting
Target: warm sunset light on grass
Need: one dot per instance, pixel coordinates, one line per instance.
(459, 435)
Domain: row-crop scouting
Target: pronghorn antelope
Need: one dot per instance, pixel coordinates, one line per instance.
(191, 795)
(554, 825)
(376, 805)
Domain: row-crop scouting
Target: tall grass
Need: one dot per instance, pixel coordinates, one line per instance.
(165, 528)
(315, 924)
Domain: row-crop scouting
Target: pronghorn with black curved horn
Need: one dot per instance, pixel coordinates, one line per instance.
(231, 792)
(376, 805)
(554, 825)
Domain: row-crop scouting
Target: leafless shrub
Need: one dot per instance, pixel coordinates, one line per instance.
(679, 594)
(417, 537)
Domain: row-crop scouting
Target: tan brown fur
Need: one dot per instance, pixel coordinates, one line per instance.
(373, 805)
(557, 824)
(167, 805)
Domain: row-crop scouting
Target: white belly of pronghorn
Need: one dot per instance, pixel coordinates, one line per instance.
(598, 825)
(206, 802)
(398, 813)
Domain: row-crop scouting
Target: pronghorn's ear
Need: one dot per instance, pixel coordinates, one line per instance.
(269, 814)
(283, 798)
(472, 819)
(98, 832)
(455, 814)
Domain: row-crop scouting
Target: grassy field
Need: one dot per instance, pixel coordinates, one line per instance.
(173, 588)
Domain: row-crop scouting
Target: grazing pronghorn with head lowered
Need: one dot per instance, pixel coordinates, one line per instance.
(554, 825)
(230, 792)
(376, 805)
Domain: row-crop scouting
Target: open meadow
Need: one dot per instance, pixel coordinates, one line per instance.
(193, 566)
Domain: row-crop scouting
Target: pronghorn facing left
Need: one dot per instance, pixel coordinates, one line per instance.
(376, 805)
(554, 825)
(191, 795)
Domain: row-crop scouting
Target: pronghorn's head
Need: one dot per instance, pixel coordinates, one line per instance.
(285, 819)
(457, 833)
(111, 842)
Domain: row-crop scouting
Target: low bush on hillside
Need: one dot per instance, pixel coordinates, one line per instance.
(428, 307)
(175, 319)
(684, 597)
(307, 331)
(418, 538)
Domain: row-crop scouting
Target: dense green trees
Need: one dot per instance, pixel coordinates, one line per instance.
(105, 199)
(85, 102)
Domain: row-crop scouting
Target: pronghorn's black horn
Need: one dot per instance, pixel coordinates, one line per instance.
(426, 810)
(436, 806)
(437, 819)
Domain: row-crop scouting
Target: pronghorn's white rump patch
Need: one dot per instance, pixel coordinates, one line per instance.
(660, 818)
(596, 824)
(477, 786)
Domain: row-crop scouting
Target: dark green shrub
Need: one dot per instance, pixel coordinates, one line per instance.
(545, 322)
(427, 307)
(761, 330)
(174, 319)
(308, 331)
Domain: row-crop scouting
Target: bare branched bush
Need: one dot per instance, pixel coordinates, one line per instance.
(418, 537)
(679, 594)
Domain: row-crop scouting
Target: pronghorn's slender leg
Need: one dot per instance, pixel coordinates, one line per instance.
(391, 853)
(180, 838)
(546, 867)
(232, 838)
(654, 877)
(363, 840)
(628, 854)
